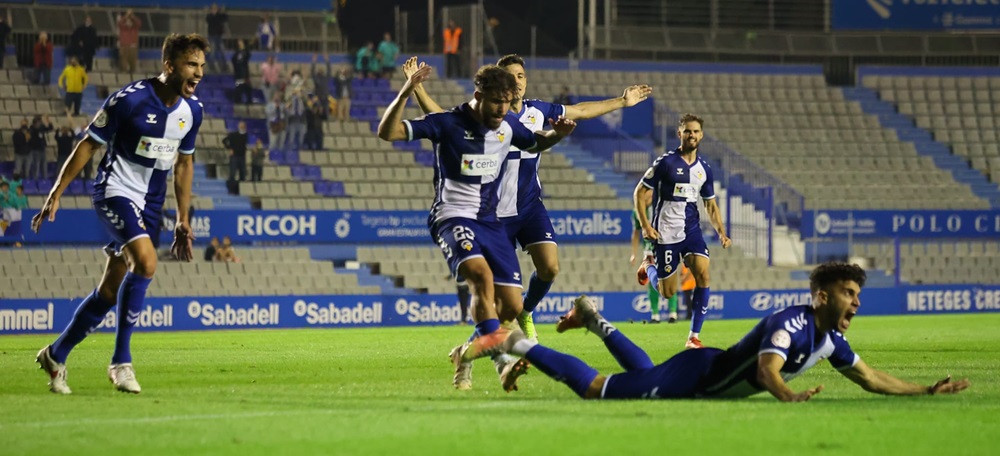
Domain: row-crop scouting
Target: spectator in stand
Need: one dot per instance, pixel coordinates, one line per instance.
(84, 43)
(321, 81)
(40, 127)
(22, 149)
(267, 35)
(270, 73)
(315, 117)
(128, 41)
(375, 66)
(362, 60)
(241, 73)
(4, 34)
(257, 161)
(452, 43)
(342, 90)
(226, 253)
(277, 121)
(73, 80)
(564, 97)
(43, 59)
(236, 145)
(389, 51)
(65, 140)
(217, 19)
(5, 194)
(295, 105)
(212, 249)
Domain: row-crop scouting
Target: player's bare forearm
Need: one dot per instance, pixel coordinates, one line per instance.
(636, 234)
(639, 202)
(183, 177)
(715, 217)
(424, 100)
(78, 159)
(591, 109)
(769, 377)
(545, 139)
(391, 127)
(875, 381)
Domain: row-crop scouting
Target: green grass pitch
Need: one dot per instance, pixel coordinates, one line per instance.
(388, 391)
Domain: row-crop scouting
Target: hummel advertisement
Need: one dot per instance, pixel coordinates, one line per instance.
(83, 226)
(34, 316)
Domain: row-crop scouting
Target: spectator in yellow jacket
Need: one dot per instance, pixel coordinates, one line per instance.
(73, 80)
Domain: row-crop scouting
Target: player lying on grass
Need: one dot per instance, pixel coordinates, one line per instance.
(779, 348)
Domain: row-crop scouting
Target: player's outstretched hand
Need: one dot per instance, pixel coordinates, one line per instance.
(650, 233)
(806, 395)
(409, 67)
(636, 94)
(182, 247)
(726, 242)
(947, 386)
(48, 212)
(562, 126)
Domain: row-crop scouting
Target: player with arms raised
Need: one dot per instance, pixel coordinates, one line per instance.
(676, 179)
(525, 218)
(471, 142)
(149, 126)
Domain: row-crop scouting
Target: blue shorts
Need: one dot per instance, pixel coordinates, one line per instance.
(533, 227)
(125, 222)
(668, 256)
(461, 239)
(677, 378)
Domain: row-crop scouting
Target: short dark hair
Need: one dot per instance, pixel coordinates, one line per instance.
(688, 117)
(176, 45)
(491, 79)
(510, 59)
(829, 273)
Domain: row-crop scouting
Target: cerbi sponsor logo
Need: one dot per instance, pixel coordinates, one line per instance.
(432, 312)
(774, 301)
(27, 319)
(333, 314)
(226, 315)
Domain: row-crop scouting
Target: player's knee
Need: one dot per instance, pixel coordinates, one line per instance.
(701, 279)
(548, 271)
(145, 266)
(478, 276)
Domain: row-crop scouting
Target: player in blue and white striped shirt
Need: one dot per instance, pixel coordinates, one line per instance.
(521, 209)
(471, 142)
(149, 126)
(779, 348)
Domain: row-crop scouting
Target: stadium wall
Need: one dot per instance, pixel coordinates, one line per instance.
(195, 313)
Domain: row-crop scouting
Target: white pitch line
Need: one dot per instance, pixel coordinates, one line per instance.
(166, 419)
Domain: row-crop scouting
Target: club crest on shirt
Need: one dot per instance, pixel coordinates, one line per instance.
(101, 119)
(500, 136)
(181, 123)
(531, 119)
(700, 175)
(467, 245)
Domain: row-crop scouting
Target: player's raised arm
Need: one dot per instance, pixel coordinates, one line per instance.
(391, 127)
(427, 104)
(769, 377)
(875, 381)
(81, 155)
(632, 96)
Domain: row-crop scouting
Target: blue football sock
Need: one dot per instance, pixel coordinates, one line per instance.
(563, 368)
(537, 289)
(700, 308)
(628, 354)
(487, 327)
(130, 299)
(88, 315)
